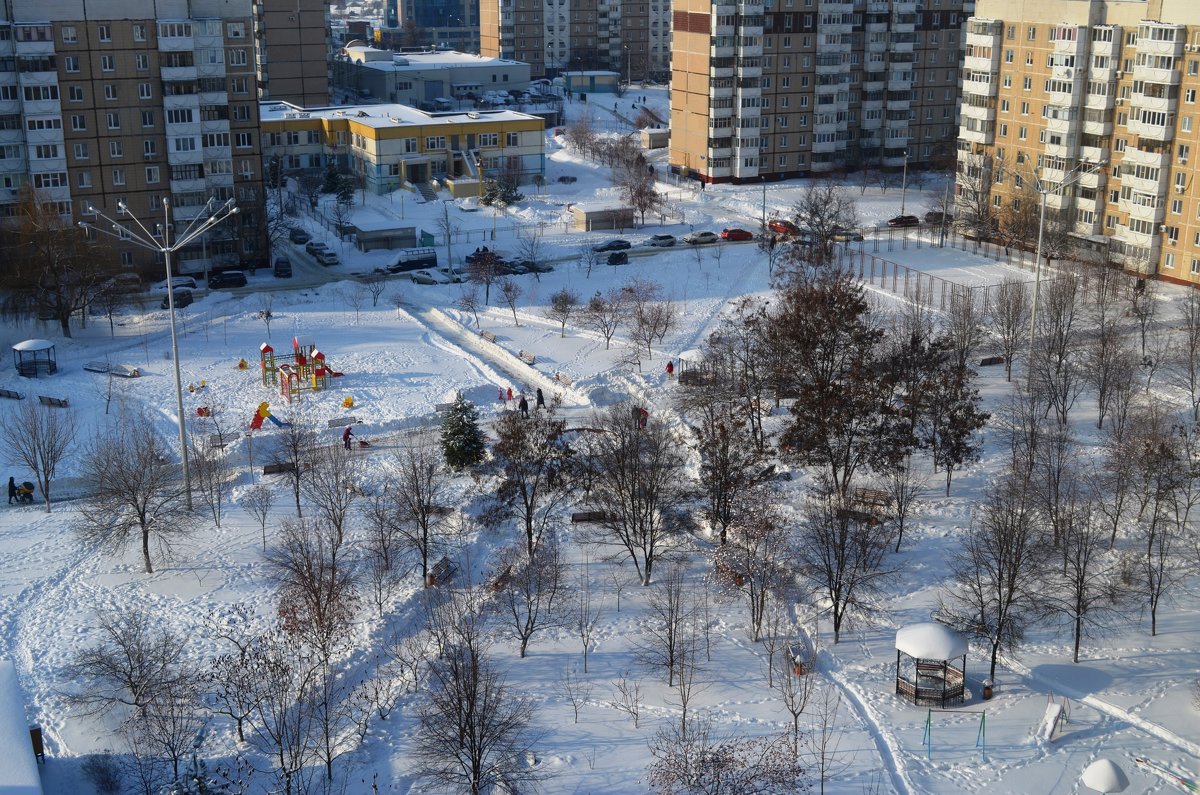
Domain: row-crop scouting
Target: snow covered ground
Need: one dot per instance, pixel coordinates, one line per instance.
(1130, 695)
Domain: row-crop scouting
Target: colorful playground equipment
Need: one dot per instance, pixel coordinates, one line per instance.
(264, 413)
(304, 369)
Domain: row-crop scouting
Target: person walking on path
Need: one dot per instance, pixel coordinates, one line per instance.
(509, 393)
(12, 490)
(500, 395)
(670, 368)
(524, 406)
(541, 399)
(346, 434)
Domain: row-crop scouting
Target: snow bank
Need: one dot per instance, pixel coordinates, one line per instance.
(19, 773)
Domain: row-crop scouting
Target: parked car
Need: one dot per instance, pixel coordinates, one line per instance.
(452, 276)
(843, 235)
(618, 258)
(327, 257)
(220, 280)
(412, 259)
(515, 268)
(904, 220)
(283, 268)
(429, 277)
(782, 226)
(661, 241)
(479, 253)
(315, 248)
(177, 283)
(736, 234)
(700, 238)
(183, 297)
(298, 236)
(613, 245)
(937, 217)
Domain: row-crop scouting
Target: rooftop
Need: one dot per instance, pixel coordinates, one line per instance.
(387, 115)
(387, 60)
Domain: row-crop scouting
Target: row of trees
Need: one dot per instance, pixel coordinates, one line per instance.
(631, 172)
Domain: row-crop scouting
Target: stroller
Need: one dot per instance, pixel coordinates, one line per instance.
(25, 493)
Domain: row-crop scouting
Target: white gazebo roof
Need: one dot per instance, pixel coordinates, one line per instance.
(33, 345)
(930, 641)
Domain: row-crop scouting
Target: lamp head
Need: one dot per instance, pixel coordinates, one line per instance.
(122, 207)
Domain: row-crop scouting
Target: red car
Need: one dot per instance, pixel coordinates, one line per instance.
(736, 234)
(782, 227)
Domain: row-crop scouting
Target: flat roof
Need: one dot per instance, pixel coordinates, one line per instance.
(387, 115)
(418, 61)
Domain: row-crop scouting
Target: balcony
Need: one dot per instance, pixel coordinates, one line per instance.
(34, 47)
(187, 185)
(1173, 48)
(1098, 101)
(827, 146)
(754, 70)
(1058, 201)
(1156, 130)
(979, 88)
(1149, 102)
(1111, 48)
(750, 50)
(720, 112)
(1093, 154)
(978, 64)
(176, 44)
(724, 51)
(1150, 74)
(195, 157)
(1143, 208)
(983, 113)
(985, 135)
(186, 213)
(178, 73)
(720, 71)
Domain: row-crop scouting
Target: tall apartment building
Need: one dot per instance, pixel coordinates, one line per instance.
(1097, 99)
(156, 101)
(784, 88)
(632, 37)
(292, 50)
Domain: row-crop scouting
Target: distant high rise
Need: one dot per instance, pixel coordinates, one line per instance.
(292, 48)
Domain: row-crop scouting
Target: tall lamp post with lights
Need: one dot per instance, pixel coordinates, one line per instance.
(160, 241)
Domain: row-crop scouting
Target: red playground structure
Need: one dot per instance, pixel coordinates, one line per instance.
(304, 369)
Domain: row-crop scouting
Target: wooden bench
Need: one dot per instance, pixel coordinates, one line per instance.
(60, 403)
(442, 408)
(440, 574)
(11, 394)
(487, 335)
(278, 469)
(877, 497)
(562, 379)
(990, 361)
(526, 357)
(339, 422)
(219, 440)
(589, 516)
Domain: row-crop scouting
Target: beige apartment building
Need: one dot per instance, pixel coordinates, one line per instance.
(1093, 104)
(292, 49)
(632, 37)
(155, 102)
(771, 89)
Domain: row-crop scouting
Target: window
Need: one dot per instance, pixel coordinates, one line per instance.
(242, 113)
(237, 85)
(1185, 124)
(180, 116)
(108, 63)
(115, 149)
(512, 139)
(110, 91)
(147, 118)
(152, 175)
(1031, 35)
(84, 179)
(75, 93)
(235, 30)
(141, 61)
(71, 63)
(1004, 106)
(1027, 83)
(1183, 152)
(1170, 262)
(139, 32)
(1195, 266)
(118, 176)
(244, 141)
(1176, 206)
(1024, 108)
(69, 34)
(435, 142)
(149, 149)
(184, 144)
(1022, 133)
(114, 120)
(104, 32)
(81, 152)
(237, 57)
(79, 123)
(1189, 96)
(1003, 130)
(489, 139)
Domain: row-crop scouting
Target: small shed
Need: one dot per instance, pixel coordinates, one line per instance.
(656, 138)
(595, 216)
(592, 82)
(33, 356)
(931, 663)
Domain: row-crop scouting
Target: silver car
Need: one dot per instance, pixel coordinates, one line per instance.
(661, 241)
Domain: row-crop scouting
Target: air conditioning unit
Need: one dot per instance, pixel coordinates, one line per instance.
(1181, 188)
(1120, 74)
(1162, 228)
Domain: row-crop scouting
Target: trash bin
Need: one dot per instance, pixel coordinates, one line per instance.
(987, 689)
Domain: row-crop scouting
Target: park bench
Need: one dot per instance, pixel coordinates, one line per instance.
(876, 497)
(990, 361)
(442, 408)
(487, 335)
(106, 368)
(58, 403)
(562, 379)
(339, 422)
(588, 516)
(11, 394)
(278, 469)
(854, 515)
(440, 574)
(219, 440)
(526, 357)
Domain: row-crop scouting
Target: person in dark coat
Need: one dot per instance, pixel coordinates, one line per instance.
(541, 399)
(12, 490)
(524, 406)
(346, 434)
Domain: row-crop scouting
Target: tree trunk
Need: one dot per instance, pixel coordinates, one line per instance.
(995, 654)
(64, 322)
(1078, 632)
(146, 550)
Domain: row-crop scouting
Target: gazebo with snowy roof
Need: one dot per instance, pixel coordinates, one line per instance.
(32, 356)
(931, 662)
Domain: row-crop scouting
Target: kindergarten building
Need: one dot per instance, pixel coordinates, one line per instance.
(394, 146)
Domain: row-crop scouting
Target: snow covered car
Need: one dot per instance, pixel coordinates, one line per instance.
(613, 245)
(177, 283)
(700, 238)
(429, 277)
(661, 241)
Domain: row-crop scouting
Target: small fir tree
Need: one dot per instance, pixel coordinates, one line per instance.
(329, 183)
(462, 440)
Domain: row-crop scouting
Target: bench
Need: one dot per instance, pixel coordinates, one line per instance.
(526, 357)
(123, 370)
(219, 440)
(278, 469)
(338, 422)
(60, 403)
(442, 408)
(990, 361)
(589, 516)
(693, 378)
(11, 394)
(440, 574)
(487, 335)
(562, 379)
(877, 497)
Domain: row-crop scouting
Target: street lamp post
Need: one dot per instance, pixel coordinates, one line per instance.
(202, 223)
(1074, 175)
(904, 183)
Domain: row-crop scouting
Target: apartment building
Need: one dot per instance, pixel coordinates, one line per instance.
(771, 89)
(388, 145)
(155, 102)
(423, 76)
(292, 50)
(632, 37)
(1093, 104)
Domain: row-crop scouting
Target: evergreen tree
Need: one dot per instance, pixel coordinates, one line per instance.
(462, 440)
(329, 183)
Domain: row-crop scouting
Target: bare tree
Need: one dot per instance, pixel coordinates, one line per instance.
(563, 305)
(416, 498)
(39, 438)
(468, 301)
(1106, 348)
(168, 724)
(842, 555)
(995, 592)
(257, 501)
(757, 563)
(284, 726)
(694, 760)
(266, 303)
(534, 596)
(235, 682)
(331, 483)
(533, 457)
(293, 454)
(587, 617)
(529, 245)
(627, 697)
(355, 295)
(210, 474)
(510, 293)
(574, 690)
(382, 548)
(795, 684)
(638, 485)
(1009, 315)
(963, 325)
(824, 208)
(589, 258)
(731, 465)
(1143, 305)
(313, 573)
(604, 314)
(1187, 352)
(1056, 369)
(134, 493)
(484, 268)
(669, 613)
(825, 735)
(376, 284)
